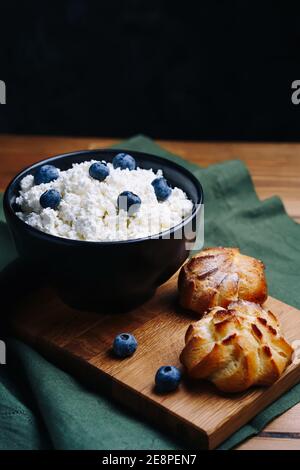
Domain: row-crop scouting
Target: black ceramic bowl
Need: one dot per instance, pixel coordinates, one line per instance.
(106, 275)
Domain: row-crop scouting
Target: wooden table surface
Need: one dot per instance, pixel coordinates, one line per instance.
(275, 169)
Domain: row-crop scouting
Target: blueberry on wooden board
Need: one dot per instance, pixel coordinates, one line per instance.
(167, 378)
(124, 345)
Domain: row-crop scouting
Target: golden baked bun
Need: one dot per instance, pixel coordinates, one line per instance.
(218, 276)
(236, 347)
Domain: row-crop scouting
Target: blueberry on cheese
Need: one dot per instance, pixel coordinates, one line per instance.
(50, 198)
(99, 171)
(123, 161)
(129, 202)
(46, 174)
(161, 188)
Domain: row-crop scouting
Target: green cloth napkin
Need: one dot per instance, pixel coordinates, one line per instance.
(42, 407)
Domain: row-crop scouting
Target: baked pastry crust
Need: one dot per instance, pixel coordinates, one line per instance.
(236, 348)
(218, 276)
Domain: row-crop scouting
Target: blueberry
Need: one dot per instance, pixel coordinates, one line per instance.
(167, 378)
(99, 171)
(129, 202)
(123, 161)
(45, 174)
(124, 345)
(161, 188)
(50, 198)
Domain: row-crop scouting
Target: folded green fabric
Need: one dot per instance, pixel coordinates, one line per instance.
(42, 407)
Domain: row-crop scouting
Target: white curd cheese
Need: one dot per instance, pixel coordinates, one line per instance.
(88, 209)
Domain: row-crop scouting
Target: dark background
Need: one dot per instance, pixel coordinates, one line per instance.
(169, 69)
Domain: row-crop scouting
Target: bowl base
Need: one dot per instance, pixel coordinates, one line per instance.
(91, 304)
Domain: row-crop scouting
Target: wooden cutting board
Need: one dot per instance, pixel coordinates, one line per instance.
(80, 342)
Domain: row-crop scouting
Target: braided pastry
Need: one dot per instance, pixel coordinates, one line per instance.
(218, 276)
(236, 347)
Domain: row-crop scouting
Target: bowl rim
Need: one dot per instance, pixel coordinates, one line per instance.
(69, 241)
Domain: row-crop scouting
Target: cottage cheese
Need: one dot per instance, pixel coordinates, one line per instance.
(88, 208)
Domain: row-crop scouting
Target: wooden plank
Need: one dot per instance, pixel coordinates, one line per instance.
(280, 434)
(269, 443)
(289, 422)
(81, 343)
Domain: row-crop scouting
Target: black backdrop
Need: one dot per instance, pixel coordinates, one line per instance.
(186, 70)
